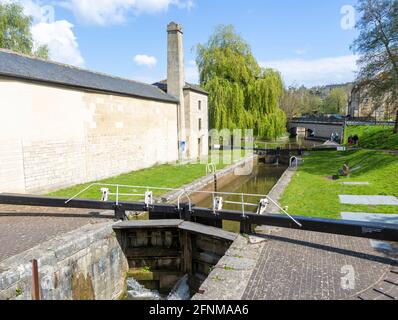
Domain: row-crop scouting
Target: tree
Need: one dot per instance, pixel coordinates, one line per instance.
(336, 102)
(15, 32)
(377, 45)
(242, 94)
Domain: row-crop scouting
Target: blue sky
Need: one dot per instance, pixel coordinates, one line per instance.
(304, 39)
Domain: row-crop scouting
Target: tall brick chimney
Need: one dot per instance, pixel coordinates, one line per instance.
(176, 78)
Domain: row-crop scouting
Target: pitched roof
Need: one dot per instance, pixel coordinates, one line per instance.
(29, 68)
(188, 86)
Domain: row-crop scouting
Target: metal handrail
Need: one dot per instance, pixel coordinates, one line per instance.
(187, 192)
(293, 159)
(188, 197)
(211, 168)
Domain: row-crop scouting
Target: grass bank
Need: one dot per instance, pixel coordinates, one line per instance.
(163, 176)
(313, 193)
(374, 137)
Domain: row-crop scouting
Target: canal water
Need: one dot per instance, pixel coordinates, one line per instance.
(289, 142)
(260, 182)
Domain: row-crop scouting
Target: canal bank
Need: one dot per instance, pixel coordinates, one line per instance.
(316, 190)
(92, 262)
(84, 264)
(274, 264)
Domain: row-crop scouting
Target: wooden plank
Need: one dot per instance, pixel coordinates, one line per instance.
(187, 252)
(388, 289)
(392, 278)
(209, 231)
(151, 252)
(374, 295)
(147, 224)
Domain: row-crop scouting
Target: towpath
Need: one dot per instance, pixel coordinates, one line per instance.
(22, 228)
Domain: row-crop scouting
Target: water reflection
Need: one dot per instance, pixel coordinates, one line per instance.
(289, 142)
(261, 181)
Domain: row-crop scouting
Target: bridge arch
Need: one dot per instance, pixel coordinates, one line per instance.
(317, 129)
(294, 131)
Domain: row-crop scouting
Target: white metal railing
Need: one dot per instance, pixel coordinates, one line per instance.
(293, 160)
(187, 193)
(211, 168)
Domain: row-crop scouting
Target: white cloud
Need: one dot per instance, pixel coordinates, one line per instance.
(300, 51)
(57, 35)
(316, 72)
(191, 72)
(106, 12)
(145, 60)
(61, 41)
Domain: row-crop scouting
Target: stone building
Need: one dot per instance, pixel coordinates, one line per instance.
(61, 126)
(362, 106)
(193, 99)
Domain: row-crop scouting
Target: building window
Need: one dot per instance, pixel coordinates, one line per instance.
(200, 124)
(200, 105)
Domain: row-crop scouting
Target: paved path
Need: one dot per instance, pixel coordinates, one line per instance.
(310, 266)
(369, 200)
(283, 264)
(22, 228)
(370, 217)
(356, 183)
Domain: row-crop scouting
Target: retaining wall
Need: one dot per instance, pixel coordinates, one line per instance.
(87, 264)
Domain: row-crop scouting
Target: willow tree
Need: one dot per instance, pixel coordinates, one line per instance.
(242, 94)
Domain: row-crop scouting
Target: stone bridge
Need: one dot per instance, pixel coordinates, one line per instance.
(322, 129)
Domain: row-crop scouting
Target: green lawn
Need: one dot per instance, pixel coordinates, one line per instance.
(163, 176)
(313, 193)
(374, 137)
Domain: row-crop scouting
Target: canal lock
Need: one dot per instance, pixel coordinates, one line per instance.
(170, 259)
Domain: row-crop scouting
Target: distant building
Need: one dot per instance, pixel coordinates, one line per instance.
(61, 125)
(362, 106)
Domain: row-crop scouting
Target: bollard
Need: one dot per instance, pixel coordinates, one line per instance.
(35, 281)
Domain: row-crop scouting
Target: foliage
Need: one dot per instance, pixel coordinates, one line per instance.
(300, 101)
(242, 94)
(336, 102)
(331, 99)
(312, 193)
(18, 292)
(373, 137)
(377, 45)
(15, 31)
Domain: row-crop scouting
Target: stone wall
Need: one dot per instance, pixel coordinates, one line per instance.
(86, 264)
(54, 137)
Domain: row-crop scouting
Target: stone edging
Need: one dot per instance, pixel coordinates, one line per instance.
(231, 276)
(279, 189)
(78, 251)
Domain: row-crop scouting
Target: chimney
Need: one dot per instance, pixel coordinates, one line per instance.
(176, 78)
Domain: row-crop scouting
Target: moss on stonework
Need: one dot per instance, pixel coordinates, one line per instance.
(82, 287)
